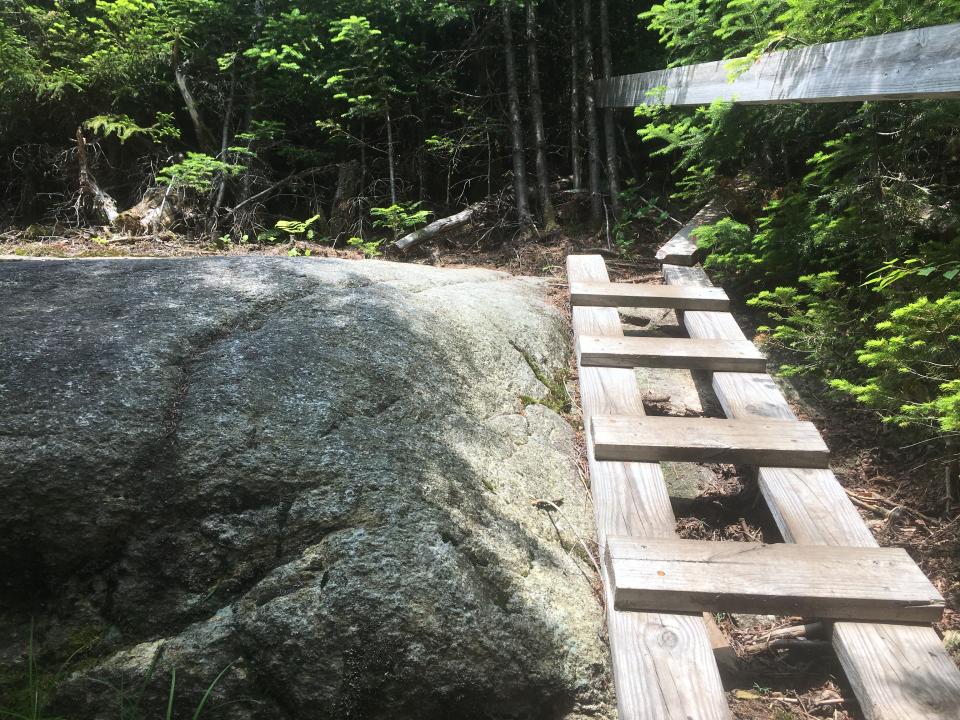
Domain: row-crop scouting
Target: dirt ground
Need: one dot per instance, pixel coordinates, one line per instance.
(895, 485)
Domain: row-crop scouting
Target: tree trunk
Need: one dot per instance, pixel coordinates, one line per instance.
(225, 141)
(516, 127)
(363, 151)
(625, 146)
(203, 135)
(253, 89)
(609, 126)
(951, 475)
(204, 138)
(547, 214)
(348, 188)
(93, 204)
(390, 160)
(593, 136)
(576, 169)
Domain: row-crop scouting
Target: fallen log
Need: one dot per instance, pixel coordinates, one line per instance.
(438, 227)
(156, 211)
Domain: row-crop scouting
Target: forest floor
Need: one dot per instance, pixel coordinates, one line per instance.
(896, 486)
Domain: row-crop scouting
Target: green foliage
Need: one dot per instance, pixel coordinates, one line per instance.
(260, 76)
(366, 84)
(125, 127)
(855, 228)
(20, 69)
(369, 248)
(733, 256)
(30, 699)
(285, 45)
(814, 323)
(130, 40)
(915, 366)
(298, 227)
(897, 271)
(196, 172)
(355, 31)
(400, 217)
(701, 144)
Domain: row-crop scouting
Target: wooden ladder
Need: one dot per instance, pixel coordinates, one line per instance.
(663, 663)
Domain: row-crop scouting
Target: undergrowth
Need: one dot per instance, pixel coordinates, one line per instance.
(29, 697)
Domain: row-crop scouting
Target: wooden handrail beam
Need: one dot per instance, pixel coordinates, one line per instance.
(913, 64)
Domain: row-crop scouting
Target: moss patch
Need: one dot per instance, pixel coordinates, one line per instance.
(557, 397)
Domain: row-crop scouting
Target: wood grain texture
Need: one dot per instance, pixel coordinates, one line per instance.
(896, 672)
(712, 325)
(654, 352)
(614, 295)
(682, 249)
(776, 443)
(684, 275)
(751, 395)
(873, 583)
(923, 63)
(810, 507)
(663, 664)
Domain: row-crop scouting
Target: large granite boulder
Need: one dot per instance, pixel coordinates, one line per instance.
(315, 474)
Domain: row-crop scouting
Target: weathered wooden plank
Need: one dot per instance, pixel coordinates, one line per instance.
(598, 294)
(656, 352)
(922, 63)
(682, 249)
(663, 664)
(685, 275)
(717, 325)
(873, 583)
(775, 443)
(810, 507)
(756, 391)
(896, 671)
(808, 504)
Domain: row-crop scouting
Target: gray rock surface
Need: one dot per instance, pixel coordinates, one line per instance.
(680, 392)
(315, 473)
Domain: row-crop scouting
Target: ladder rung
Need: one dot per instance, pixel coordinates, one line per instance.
(684, 353)
(785, 579)
(771, 443)
(676, 297)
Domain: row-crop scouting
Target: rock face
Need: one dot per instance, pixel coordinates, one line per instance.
(316, 474)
